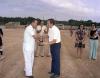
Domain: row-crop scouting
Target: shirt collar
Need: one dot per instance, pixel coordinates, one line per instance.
(53, 26)
(31, 26)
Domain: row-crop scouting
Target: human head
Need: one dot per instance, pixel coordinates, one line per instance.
(34, 23)
(50, 22)
(93, 26)
(81, 27)
(42, 23)
(39, 21)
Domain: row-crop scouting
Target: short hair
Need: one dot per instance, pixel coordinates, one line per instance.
(39, 21)
(52, 21)
(33, 20)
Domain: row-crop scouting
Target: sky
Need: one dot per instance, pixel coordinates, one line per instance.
(57, 9)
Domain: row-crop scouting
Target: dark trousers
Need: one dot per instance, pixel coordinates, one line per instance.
(55, 54)
(1, 52)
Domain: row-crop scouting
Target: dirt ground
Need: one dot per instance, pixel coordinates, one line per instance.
(71, 67)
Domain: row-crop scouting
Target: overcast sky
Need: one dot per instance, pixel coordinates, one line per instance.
(58, 9)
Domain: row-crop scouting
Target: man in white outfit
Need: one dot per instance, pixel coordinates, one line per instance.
(28, 48)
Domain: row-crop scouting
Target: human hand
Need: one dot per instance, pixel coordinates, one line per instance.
(45, 43)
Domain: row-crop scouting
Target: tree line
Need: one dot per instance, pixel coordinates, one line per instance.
(27, 20)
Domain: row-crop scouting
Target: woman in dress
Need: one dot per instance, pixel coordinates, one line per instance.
(80, 38)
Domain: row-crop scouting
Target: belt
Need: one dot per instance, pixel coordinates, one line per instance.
(56, 43)
(94, 38)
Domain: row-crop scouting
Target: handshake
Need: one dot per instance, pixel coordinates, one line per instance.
(44, 43)
(40, 40)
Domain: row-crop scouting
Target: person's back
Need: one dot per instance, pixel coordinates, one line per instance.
(44, 28)
(38, 29)
(43, 36)
(44, 33)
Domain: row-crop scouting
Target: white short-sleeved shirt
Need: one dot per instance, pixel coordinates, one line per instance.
(29, 41)
(54, 33)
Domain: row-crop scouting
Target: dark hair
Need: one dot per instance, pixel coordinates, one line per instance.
(33, 20)
(52, 21)
(1, 32)
(93, 25)
(39, 21)
(80, 25)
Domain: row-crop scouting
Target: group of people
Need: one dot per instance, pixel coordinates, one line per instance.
(37, 36)
(47, 39)
(34, 37)
(82, 34)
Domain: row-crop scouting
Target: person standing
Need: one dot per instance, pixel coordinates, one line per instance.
(80, 38)
(71, 31)
(1, 43)
(94, 34)
(39, 40)
(55, 45)
(28, 48)
(42, 33)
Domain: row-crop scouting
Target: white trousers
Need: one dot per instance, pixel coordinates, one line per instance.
(29, 60)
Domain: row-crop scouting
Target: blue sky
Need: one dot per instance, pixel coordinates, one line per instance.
(58, 9)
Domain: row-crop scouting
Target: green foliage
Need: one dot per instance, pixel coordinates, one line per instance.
(23, 21)
(28, 20)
